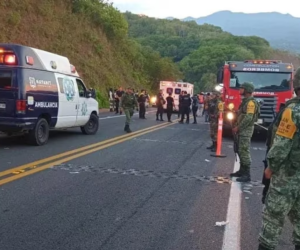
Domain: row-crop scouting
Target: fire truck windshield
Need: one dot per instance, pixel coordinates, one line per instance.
(262, 80)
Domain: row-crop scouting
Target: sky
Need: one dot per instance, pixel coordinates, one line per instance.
(199, 8)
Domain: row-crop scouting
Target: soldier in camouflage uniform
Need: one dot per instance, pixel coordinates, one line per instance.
(247, 116)
(128, 103)
(283, 198)
(213, 109)
(271, 134)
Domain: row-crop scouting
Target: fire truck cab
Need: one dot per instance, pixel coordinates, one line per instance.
(273, 81)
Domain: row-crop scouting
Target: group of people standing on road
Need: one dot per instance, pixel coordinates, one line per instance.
(186, 105)
(128, 101)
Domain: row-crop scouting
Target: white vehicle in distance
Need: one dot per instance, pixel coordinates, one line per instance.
(175, 89)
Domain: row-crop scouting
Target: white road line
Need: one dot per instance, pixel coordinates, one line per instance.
(232, 234)
(117, 116)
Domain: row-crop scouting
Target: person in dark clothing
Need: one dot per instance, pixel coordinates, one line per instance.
(118, 96)
(186, 103)
(142, 105)
(180, 104)
(160, 101)
(170, 105)
(195, 106)
(136, 94)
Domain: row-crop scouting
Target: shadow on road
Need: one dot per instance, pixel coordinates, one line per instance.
(20, 140)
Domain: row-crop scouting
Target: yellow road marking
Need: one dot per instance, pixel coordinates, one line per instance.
(66, 159)
(42, 161)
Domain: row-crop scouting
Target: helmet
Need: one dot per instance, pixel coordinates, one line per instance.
(297, 89)
(248, 87)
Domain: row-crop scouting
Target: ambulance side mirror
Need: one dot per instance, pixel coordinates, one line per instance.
(88, 94)
(91, 93)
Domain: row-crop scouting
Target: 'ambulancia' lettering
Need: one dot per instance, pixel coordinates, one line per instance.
(46, 105)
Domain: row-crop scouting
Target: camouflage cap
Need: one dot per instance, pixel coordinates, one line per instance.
(248, 87)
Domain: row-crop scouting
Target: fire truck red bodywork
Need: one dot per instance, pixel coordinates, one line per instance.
(273, 81)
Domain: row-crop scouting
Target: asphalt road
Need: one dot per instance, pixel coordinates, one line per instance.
(155, 189)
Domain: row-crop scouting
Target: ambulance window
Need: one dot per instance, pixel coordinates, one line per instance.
(177, 91)
(67, 85)
(61, 85)
(5, 79)
(81, 88)
(170, 91)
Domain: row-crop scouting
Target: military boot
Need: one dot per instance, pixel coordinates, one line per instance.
(236, 174)
(128, 129)
(297, 247)
(214, 149)
(125, 128)
(211, 147)
(244, 178)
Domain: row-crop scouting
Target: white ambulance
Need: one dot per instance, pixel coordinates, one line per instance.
(175, 88)
(40, 91)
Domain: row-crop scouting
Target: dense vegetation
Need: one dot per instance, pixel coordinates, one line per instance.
(200, 50)
(93, 35)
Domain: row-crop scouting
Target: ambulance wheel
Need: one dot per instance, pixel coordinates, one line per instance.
(40, 134)
(92, 126)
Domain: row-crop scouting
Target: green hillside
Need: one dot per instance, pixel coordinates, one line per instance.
(200, 50)
(93, 35)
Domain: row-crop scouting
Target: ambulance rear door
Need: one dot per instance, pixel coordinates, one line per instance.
(177, 92)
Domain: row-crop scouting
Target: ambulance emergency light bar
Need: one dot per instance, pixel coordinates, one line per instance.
(8, 57)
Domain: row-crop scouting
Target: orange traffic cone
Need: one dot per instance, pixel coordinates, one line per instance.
(219, 138)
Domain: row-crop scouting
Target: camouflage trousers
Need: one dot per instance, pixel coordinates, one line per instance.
(283, 199)
(244, 153)
(128, 114)
(213, 125)
(112, 104)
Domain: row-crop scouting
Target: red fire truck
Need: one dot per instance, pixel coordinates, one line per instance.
(273, 81)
